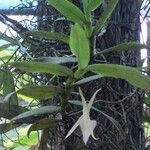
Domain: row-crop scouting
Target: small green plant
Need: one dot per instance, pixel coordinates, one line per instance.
(81, 43)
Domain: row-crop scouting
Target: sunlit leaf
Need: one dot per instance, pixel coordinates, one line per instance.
(40, 67)
(129, 74)
(80, 48)
(56, 60)
(24, 141)
(37, 112)
(105, 15)
(123, 47)
(49, 35)
(69, 10)
(42, 124)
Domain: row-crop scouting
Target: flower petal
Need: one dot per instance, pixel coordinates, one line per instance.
(87, 126)
(92, 99)
(93, 136)
(82, 97)
(74, 127)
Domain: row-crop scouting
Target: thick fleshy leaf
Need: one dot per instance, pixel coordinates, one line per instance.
(37, 112)
(42, 124)
(105, 15)
(56, 60)
(93, 4)
(38, 92)
(9, 86)
(87, 79)
(123, 47)
(80, 48)
(49, 35)
(129, 74)
(40, 67)
(69, 10)
(25, 142)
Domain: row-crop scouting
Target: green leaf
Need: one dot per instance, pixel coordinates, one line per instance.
(80, 46)
(129, 74)
(123, 47)
(49, 35)
(38, 92)
(147, 100)
(105, 15)
(69, 10)
(39, 67)
(146, 118)
(113, 121)
(24, 141)
(1, 77)
(87, 79)
(37, 112)
(56, 60)
(85, 4)
(9, 86)
(86, 11)
(42, 124)
(93, 4)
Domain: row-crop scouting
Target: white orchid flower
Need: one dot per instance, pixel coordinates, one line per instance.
(87, 125)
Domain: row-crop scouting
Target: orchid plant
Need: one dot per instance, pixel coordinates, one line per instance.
(81, 43)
